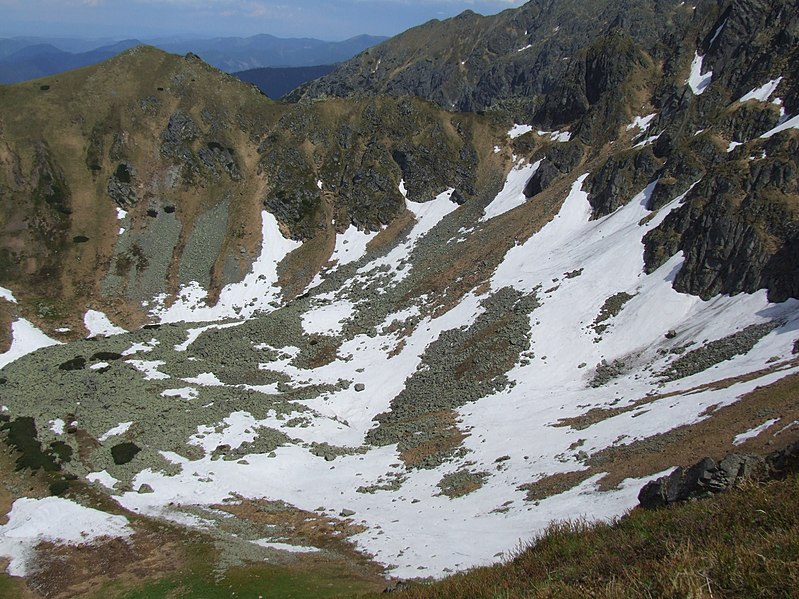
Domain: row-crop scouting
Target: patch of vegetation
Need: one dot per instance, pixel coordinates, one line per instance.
(124, 452)
(22, 436)
(744, 543)
(609, 309)
(261, 580)
(717, 351)
(460, 483)
(76, 363)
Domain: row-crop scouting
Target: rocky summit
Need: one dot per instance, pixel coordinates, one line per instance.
(491, 273)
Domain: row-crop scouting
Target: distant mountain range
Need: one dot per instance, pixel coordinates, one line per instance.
(276, 82)
(30, 58)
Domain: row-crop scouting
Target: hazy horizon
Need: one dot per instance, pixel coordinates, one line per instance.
(331, 20)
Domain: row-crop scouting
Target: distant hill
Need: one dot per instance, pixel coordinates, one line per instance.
(27, 58)
(232, 54)
(276, 82)
(42, 60)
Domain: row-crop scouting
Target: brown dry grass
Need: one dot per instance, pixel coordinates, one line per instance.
(740, 544)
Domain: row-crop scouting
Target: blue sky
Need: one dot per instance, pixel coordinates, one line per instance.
(323, 19)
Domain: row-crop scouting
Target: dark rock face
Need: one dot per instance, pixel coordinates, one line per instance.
(541, 179)
(121, 186)
(360, 159)
(736, 228)
(620, 178)
(701, 480)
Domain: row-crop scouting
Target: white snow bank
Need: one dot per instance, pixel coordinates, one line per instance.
(149, 368)
(792, 123)
(642, 122)
(119, 429)
(102, 477)
(98, 323)
(696, 80)
(751, 434)
(53, 519)
(7, 295)
(559, 136)
(519, 130)
(512, 194)
(762, 93)
(26, 338)
(284, 546)
(351, 245)
(237, 300)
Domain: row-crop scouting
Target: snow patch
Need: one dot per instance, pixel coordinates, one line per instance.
(149, 368)
(7, 295)
(751, 434)
(98, 323)
(184, 392)
(102, 477)
(237, 300)
(512, 194)
(285, 546)
(696, 80)
(762, 93)
(119, 429)
(327, 319)
(25, 339)
(205, 379)
(788, 123)
(57, 426)
(56, 520)
(641, 122)
(519, 130)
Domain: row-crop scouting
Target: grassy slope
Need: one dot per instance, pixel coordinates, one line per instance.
(740, 544)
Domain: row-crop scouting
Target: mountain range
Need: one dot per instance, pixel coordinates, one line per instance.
(30, 58)
(491, 273)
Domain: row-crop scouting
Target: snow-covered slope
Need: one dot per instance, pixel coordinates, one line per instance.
(596, 335)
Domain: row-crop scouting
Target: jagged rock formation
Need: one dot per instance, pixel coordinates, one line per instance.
(708, 477)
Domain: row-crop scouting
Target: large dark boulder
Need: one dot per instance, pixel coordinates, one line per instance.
(703, 479)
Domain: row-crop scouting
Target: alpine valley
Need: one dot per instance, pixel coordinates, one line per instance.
(492, 273)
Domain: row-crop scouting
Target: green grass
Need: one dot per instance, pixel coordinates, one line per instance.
(254, 581)
(740, 544)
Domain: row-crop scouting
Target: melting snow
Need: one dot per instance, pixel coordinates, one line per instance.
(519, 130)
(119, 429)
(512, 194)
(184, 392)
(25, 338)
(149, 368)
(205, 379)
(7, 295)
(255, 293)
(559, 136)
(327, 319)
(285, 546)
(57, 426)
(696, 80)
(792, 123)
(751, 434)
(351, 245)
(103, 478)
(97, 323)
(762, 93)
(53, 519)
(642, 122)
